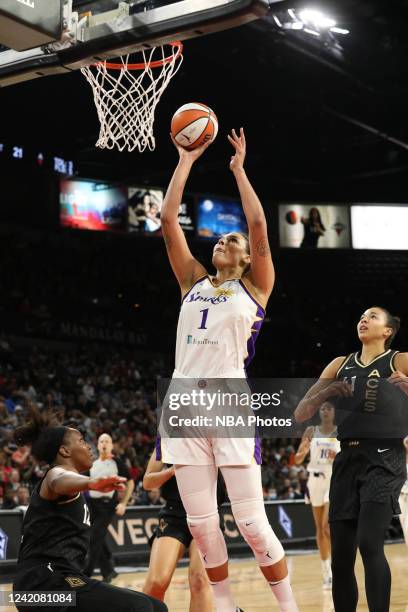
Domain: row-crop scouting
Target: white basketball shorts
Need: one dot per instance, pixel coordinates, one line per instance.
(196, 446)
(318, 488)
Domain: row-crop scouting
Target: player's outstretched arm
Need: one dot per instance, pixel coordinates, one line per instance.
(262, 272)
(327, 386)
(61, 482)
(185, 267)
(155, 475)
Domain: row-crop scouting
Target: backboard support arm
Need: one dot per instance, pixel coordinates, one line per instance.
(92, 38)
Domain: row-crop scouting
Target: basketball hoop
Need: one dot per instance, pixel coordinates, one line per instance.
(126, 95)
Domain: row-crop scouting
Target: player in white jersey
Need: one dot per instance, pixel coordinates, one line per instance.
(323, 446)
(220, 318)
(403, 501)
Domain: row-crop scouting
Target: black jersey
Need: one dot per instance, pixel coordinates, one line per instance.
(169, 490)
(377, 409)
(56, 531)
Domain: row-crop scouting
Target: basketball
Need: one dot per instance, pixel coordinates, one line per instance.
(193, 124)
(291, 217)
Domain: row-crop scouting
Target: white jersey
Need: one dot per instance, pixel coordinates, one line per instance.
(319, 451)
(217, 330)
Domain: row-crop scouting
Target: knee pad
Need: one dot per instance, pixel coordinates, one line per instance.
(254, 526)
(209, 538)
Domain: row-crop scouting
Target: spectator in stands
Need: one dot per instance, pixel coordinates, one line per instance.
(14, 482)
(23, 498)
(155, 498)
(9, 499)
(5, 469)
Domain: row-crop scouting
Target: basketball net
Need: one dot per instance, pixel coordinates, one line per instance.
(126, 96)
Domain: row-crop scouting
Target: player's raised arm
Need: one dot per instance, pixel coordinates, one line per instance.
(262, 272)
(185, 267)
(304, 446)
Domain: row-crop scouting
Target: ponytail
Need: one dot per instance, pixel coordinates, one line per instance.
(393, 322)
(42, 434)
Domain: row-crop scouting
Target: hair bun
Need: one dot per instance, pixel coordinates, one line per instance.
(27, 434)
(37, 428)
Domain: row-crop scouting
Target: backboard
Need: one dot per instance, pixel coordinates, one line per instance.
(25, 24)
(106, 28)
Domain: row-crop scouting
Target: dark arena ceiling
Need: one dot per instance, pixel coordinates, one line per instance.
(325, 113)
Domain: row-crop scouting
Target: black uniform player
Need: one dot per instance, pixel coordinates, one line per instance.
(368, 473)
(56, 526)
(173, 537)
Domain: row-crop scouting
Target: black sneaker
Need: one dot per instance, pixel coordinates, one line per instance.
(111, 577)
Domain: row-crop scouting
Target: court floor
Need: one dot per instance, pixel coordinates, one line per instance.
(253, 594)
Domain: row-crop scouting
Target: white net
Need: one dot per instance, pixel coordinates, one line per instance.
(126, 96)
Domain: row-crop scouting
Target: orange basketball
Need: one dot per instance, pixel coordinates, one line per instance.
(193, 124)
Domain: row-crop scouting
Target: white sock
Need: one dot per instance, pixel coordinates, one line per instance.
(223, 596)
(326, 568)
(284, 595)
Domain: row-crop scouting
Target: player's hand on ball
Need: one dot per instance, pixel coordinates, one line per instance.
(105, 485)
(239, 144)
(400, 380)
(120, 509)
(190, 155)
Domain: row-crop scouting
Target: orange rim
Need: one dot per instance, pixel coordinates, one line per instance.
(143, 65)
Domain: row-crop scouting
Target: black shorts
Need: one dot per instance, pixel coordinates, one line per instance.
(366, 471)
(176, 527)
(172, 527)
(90, 594)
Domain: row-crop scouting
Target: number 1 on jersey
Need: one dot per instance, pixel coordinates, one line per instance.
(87, 516)
(204, 319)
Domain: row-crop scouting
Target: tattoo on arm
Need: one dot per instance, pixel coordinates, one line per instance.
(262, 247)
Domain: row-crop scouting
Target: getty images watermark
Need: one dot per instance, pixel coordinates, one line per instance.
(230, 403)
(240, 408)
(222, 408)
